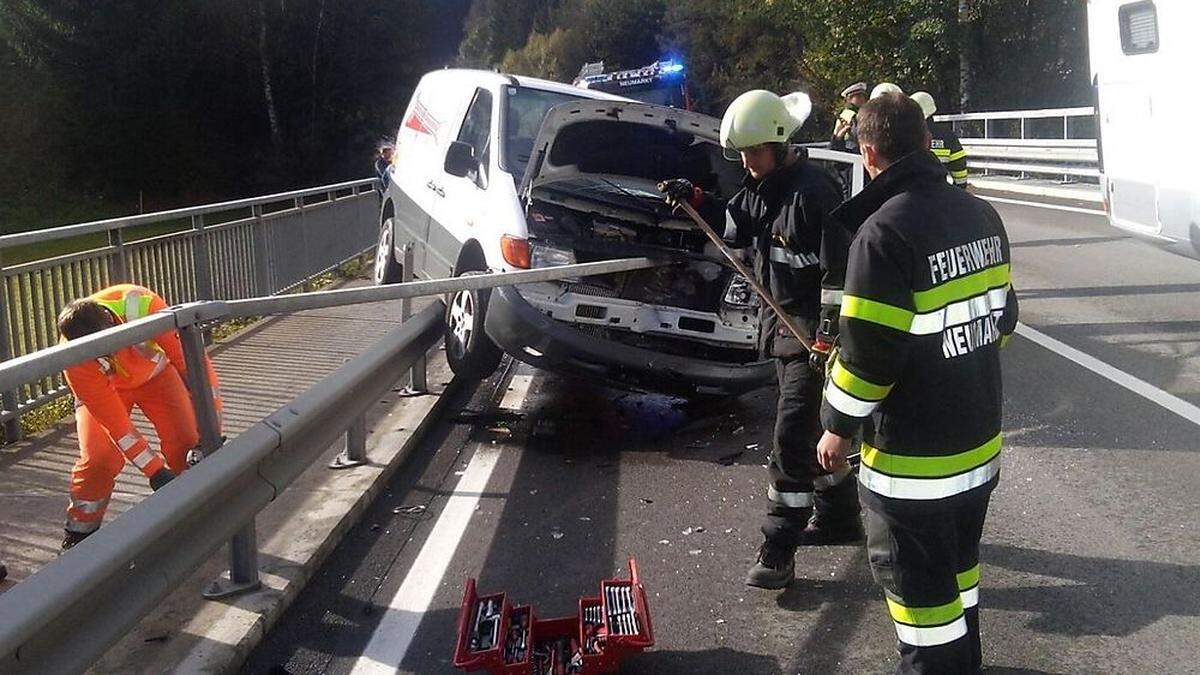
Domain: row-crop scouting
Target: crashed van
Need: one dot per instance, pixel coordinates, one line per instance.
(500, 172)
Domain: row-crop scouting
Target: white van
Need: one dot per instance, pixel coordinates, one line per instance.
(461, 153)
(1142, 57)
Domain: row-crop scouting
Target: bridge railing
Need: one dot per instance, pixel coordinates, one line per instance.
(67, 614)
(1051, 143)
(224, 251)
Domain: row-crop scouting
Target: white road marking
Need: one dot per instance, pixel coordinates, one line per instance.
(1140, 387)
(389, 643)
(1055, 207)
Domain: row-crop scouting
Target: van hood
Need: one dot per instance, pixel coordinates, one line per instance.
(616, 152)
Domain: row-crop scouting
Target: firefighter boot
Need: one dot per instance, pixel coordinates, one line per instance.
(774, 567)
(71, 539)
(161, 478)
(836, 519)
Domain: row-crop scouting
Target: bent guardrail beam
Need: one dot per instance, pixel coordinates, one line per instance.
(67, 614)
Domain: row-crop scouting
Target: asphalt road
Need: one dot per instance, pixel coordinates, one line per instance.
(1089, 556)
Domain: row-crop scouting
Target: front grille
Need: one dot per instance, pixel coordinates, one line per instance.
(591, 311)
(698, 325)
(590, 289)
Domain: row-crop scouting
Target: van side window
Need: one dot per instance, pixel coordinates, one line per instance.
(1139, 27)
(477, 129)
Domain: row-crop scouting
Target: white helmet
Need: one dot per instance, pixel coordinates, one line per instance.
(885, 88)
(923, 99)
(799, 105)
(754, 118)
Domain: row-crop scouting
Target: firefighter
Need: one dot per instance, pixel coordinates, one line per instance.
(782, 212)
(151, 375)
(928, 303)
(845, 128)
(943, 142)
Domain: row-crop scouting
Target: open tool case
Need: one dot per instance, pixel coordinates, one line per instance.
(506, 639)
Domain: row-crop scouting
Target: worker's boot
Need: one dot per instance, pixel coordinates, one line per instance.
(836, 519)
(774, 567)
(161, 478)
(72, 538)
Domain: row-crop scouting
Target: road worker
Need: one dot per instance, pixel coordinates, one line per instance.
(782, 211)
(928, 303)
(151, 375)
(943, 142)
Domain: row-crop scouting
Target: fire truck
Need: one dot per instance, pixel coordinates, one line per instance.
(661, 82)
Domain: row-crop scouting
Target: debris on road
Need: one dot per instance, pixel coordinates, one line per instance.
(412, 509)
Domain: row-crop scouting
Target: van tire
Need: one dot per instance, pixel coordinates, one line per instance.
(469, 351)
(387, 269)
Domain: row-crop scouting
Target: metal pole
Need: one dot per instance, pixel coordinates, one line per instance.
(119, 272)
(10, 398)
(355, 453)
(243, 547)
(1022, 138)
(262, 257)
(200, 260)
(417, 383)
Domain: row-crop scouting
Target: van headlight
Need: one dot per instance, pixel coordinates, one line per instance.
(738, 293)
(549, 256)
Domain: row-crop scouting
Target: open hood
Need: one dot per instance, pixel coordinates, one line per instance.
(616, 151)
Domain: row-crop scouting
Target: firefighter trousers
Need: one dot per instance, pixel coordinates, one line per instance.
(797, 481)
(166, 402)
(928, 566)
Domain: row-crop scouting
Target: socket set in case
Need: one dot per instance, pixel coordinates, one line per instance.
(502, 639)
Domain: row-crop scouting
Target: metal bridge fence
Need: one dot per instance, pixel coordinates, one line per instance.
(224, 251)
(1051, 143)
(52, 621)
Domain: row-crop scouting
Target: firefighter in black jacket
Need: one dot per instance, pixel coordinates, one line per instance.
(782, 211)
(928, 303)
(943, 141)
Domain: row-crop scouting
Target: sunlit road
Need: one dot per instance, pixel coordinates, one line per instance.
(1090, 555)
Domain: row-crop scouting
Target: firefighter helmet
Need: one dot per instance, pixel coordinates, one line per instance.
(754, 118)
(923, 99)
(885, 88)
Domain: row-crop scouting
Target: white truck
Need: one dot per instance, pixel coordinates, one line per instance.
(1143, 60)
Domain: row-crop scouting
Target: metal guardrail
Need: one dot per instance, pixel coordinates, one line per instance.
(1029, 142)
(223, 251)
(67, 614)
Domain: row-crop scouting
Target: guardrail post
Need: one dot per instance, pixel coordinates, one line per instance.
(119, 270)
(355, 453)
(200, 260)
(262, 257)
(11, 399)
(243, 547)
(417, 383)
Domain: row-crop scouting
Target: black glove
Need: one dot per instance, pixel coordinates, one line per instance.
(678, 190)
(161, 478)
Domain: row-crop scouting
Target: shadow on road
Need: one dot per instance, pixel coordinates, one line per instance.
(1098, 596)
(720, 660)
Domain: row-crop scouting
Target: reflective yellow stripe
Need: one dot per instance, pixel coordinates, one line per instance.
(968, 579)
(960, 288)
(856, 307)
(942, 153)
(856, 386)
(909, 466)
(957, 155)
(938, 615)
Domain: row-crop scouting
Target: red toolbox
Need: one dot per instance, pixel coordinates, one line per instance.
(503, 639)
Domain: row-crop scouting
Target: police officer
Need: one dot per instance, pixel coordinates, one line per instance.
(845, 128)
(943, 142)
(782, 212)
(928, 303)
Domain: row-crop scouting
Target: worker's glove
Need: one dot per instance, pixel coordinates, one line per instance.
(680, 190)
(161, 478)
(820, 356)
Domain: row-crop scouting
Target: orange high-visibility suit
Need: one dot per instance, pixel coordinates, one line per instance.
(151, 375)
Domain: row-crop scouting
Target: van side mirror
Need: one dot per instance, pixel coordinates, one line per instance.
(460, 159)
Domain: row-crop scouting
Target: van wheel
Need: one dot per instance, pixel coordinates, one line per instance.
(469, 351)
(387, 270)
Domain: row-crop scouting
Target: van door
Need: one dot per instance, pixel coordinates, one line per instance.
(463, 196)
(416, 158)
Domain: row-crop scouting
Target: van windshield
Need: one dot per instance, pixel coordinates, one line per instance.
(524, 111)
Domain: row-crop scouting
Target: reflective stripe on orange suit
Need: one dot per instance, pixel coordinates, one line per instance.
(151, 376)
